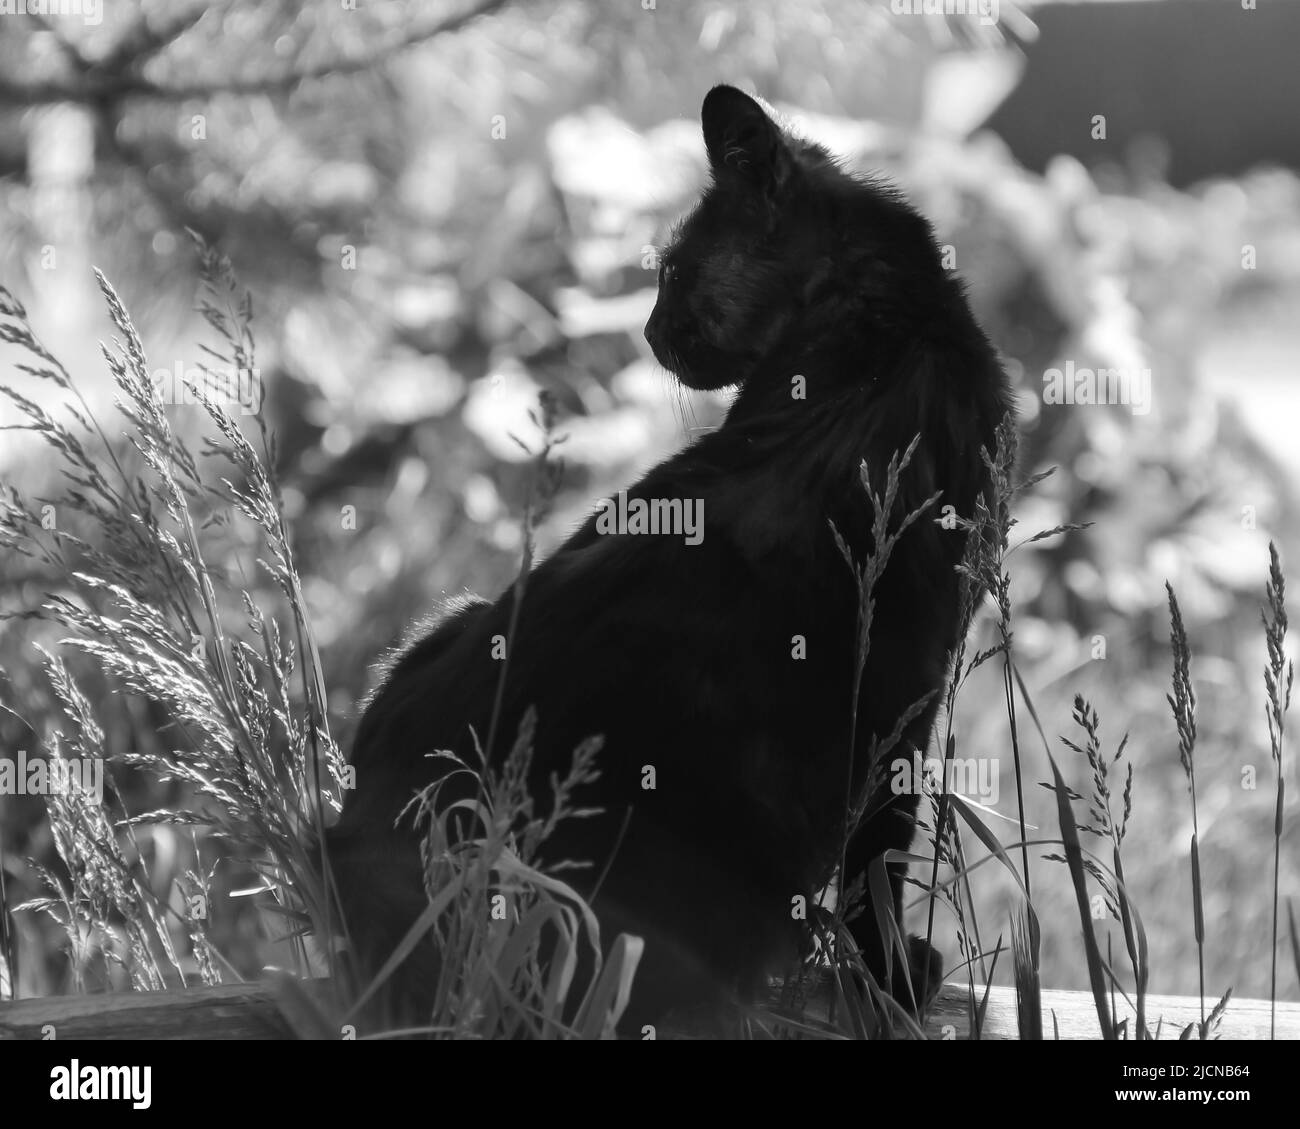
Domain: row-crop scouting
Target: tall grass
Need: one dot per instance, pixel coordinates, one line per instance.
(1107, 827)
(139, 599)
(984, 568)
(236, 668)
(986, 576)
(1183, 703)
(1278, 677)
(866, 575)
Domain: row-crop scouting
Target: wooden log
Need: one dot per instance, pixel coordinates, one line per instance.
(274, 1010)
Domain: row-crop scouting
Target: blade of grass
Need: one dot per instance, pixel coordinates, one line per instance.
(1074, 858)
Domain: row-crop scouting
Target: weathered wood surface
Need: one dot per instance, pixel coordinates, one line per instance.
(258, 1011)
(1076, 1015)
(226, 1011)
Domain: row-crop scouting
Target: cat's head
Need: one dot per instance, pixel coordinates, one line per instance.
(759, 265)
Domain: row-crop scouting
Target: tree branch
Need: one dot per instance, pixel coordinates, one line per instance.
(142, 42)
(100, 86)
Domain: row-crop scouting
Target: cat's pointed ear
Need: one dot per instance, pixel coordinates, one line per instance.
(743, 142)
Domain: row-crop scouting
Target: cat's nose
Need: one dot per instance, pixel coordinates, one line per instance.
(651, 332)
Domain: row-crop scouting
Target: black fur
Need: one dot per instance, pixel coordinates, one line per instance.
(681, 655)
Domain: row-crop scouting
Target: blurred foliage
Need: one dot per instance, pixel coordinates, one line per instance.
(437, 226)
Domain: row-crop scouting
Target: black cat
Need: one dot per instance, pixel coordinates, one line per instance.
(727, 665)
